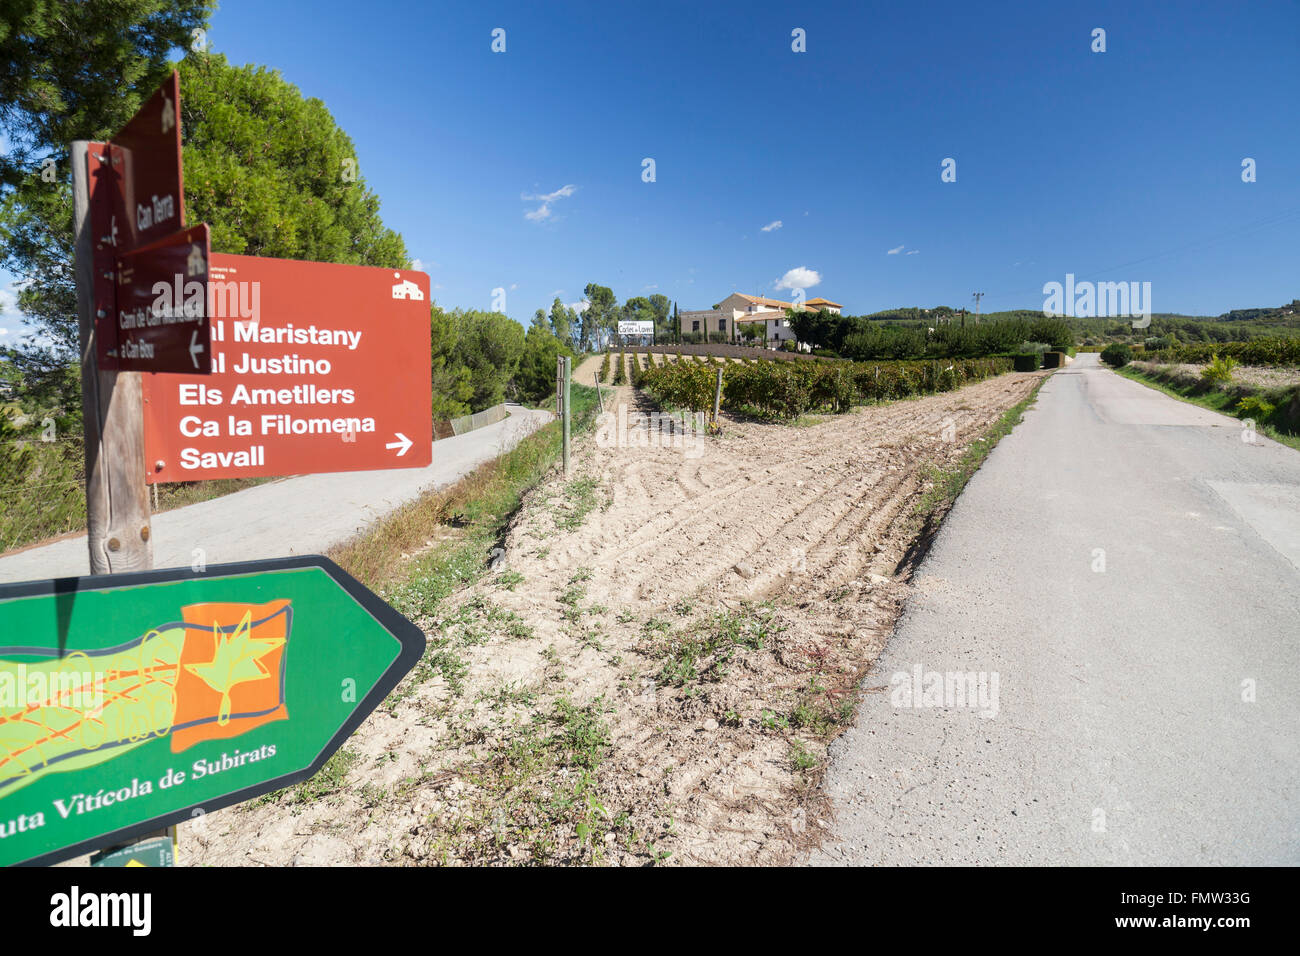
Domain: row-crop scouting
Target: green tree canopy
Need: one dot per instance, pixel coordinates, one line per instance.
(660, 305)
(562, 321)
(452, 388)
(490, 346)
(536, 375)
(273, 173)
(599, 317)
(74, 70)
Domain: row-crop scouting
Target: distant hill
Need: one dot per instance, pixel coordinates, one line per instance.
(1284, 314)
(1239, 325)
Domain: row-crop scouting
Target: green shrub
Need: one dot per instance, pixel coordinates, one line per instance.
(1027, 361)
(1117, 354)
(1219, 371)
(1256, 407)
(1262, 351)
(785, 390)
(686, 385)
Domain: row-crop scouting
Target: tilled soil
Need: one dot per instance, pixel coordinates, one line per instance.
(656, 668)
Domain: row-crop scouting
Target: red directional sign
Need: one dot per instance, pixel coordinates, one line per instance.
(162, 304)
(138, 200)
(316, 367)
(149, 195)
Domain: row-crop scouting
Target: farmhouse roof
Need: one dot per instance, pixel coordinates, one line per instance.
(763, 300)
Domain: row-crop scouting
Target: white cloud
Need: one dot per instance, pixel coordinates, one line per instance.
(894, 251)
(577, 306)
(513, 286)
(562, 193)
(774, 224)
(912, 252)
(544, 212)
(800, 278)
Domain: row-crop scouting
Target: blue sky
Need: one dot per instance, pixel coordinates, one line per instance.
(1122, 165)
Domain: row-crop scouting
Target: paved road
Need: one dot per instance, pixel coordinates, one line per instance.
(304, 515)
(1121, 735)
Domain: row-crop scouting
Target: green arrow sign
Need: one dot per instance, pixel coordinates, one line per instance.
(130, 702)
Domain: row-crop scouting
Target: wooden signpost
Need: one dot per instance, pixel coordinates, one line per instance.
(330, 374)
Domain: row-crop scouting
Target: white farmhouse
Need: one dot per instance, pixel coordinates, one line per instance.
(739, 309)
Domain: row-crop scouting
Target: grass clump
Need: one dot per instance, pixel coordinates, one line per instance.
(434, 546)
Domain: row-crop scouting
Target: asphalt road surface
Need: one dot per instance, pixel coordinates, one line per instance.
(1127, 569)
(303, 515)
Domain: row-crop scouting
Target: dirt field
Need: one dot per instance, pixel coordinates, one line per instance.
(1259, 376)
(654, 672)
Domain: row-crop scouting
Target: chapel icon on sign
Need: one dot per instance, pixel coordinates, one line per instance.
(406, 289)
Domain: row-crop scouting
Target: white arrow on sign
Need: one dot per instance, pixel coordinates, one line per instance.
(403, 444)
(195, 347)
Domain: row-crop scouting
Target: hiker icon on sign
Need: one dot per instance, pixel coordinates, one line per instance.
(195, 264)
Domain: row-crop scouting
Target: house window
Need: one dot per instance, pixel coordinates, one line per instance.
(722, 325)
(695, 326)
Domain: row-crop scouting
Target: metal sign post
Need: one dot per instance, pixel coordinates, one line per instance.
(559, 386)
(567, 373)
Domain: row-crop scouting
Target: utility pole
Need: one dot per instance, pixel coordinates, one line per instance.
(978, 296)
